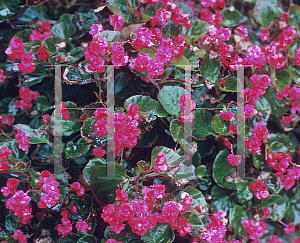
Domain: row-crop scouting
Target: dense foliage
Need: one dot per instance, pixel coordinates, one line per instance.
(180, 113)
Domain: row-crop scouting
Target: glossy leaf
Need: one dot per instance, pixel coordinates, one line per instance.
(10, 222)
(145, 103)
(171, 30)
(202, 124)
(180, 130)
(235, 218)
(87, 239)
(210, 70)
(193, 219)
(161, 233)
(232, 18)
(40, 137)
(220, 126)
(173, 158)
(294, 15)
(198, 198)
(230, 85)
(84, 204)
(73, 150)
(265, 10)
(295, 72)
(222, 168)
(63, 30)
(90, 166)
(244, 193)
(276, 107)
(280, 143)
(283, 79)
(8, 9)
(196, 31)
(119, 7)
(293, 207)
(31, 13)
(276, 205)
(169, 97)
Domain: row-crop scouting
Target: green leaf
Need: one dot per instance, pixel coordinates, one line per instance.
(265, 11)
(193, 219)
(272, 202)
(295, 72)
(181, 62)
(63, 30)
(119, 7)
(40, 137)
(67, 18)
(122, 86)
(125, 236)
(88, 19)
(50, 43)
(262, 104)
(202, 124)
(210, 70)
(243, 191)
(198, 198)
(74, 150)
(185, 9)
(32, 13)
(110, 35)
(222, 203)
(220, 126)
(222, 168)
(171, 30)
(8, 9)
(232, 18)
(173, 158)
(276, 107)
(169, 97)
(257, 162)
(294, 15)
(196, 31)
(273, 185)
(90, 166)
(10, 222)
(283, 79)
(14, 146)
(4, 234)
(72, 125)
(160, 111)
(145, 103)
(105, 187)
(192, 57)
(84, 204)
(77, 76)
(151, 9)
(191, 148)
(202, 172)
(42, 104)
(230, 85)
(161, 233)
(280, 143)
(236, 214)
(87, 239)
(180, 130)
(23, 35)
(35, 77)
(293, 207)
(76, 53)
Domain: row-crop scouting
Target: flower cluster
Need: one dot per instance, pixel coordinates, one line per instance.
(18, 235)
(16, 51)
(161, 163)
(4, 158)
(6, 121)
(187, 115)
(65, 227)
(19, 204)
(42, 33)
(166, 51)
(22, 139)
(76, 187)
(234, 160)
(259, 188)
(2, 78)
(216, 229)
(26, 96)
(126, 127)
(255, 229)
(259, 133)
(139, 214)
(49, 188)
(10, 188)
